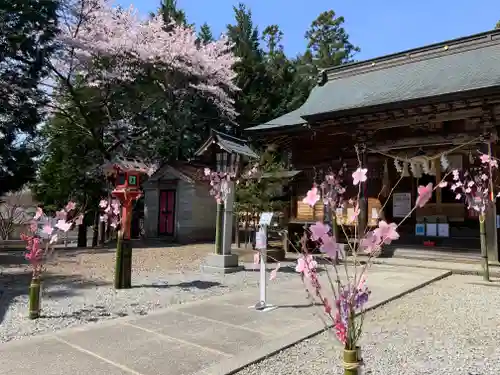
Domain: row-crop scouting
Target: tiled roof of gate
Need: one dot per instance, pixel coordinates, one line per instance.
(454, 66)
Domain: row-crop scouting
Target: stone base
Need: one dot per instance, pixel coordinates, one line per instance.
(215, 263)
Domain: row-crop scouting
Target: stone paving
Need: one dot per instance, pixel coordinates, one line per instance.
(209, 337)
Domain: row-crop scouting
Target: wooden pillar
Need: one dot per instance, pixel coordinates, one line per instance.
(439, 199)
(363, 199)
(491, 216)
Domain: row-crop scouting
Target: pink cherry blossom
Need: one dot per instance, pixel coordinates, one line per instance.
(137, 45)
(443, 184)
(38, 213)
(312, 197)
(424, 195)
(274, 272)
(114, 222)
(305, 265)
(318, 230)
(103, 203)
(371, 242)
(61, 215)
(485, 159)
(256, 258)
(70, 206)
(47, 229)
(359, 175)
(329, 246)
(386, 232)
(33, 226)
(63, 225)
(355, 214)
(362, 282)
(79, 219)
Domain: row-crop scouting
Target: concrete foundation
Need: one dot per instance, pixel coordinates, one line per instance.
(227, 263)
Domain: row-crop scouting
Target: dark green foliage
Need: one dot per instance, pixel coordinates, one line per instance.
(265, 191)
(27, 29)
(328, 43)
(205, 35)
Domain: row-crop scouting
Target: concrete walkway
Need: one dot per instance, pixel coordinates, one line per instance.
(208, 337)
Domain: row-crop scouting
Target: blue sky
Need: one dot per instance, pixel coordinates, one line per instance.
(378, 27)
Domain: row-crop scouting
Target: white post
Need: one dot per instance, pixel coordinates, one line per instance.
(261, 246)
(263, 274)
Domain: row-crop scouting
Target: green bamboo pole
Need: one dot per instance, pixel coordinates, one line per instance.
(34, 302)
(219, 228)
(352, 361)
(484, 249)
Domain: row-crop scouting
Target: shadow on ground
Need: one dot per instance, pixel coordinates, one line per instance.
(196, 284)
(14, 282)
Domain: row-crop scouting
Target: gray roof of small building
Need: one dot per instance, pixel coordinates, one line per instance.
(459, 65)
(229, 144)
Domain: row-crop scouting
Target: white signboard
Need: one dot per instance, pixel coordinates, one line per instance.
(265, 218)
(401, 204)
(261, 239)
(431, 229)
(444, 230)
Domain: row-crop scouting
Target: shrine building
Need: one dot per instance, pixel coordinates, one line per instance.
(406, 113)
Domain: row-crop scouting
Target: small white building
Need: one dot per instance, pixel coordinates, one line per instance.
(178, 206)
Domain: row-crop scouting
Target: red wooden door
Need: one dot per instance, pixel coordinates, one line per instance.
(166, 218)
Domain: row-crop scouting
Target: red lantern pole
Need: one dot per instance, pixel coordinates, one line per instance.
(126, 192)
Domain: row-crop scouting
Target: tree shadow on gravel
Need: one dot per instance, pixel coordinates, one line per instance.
(283, 269)
(196, 284)
(15, 283)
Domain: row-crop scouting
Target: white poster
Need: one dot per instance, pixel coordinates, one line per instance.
(401, 204)
(444, 230)
(260, 240)
(431, 229)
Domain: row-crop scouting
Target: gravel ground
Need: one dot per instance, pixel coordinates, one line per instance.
(77, 288)
(449, 327)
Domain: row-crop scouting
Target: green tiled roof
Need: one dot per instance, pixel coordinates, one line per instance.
(455, 66)
(289, 119)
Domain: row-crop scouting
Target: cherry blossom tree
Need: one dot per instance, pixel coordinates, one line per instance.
(345, 293)
(117, 52)
(42, 234)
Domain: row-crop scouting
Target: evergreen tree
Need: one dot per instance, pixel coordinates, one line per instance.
(253, 78)
(205, 35)
(171, 14)
(27, 31)
(328, 42)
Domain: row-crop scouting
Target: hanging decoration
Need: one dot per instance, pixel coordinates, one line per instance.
(405, 172)
(416, 169)
(433, 171)
(445, 164)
